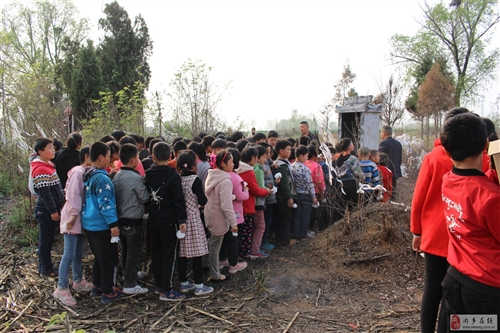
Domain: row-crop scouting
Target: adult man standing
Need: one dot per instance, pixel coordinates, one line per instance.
(304, 130)
(394, 150)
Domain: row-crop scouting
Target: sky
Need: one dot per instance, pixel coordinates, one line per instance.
(278, 55)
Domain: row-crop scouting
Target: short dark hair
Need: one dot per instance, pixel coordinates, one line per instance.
(313, 151)
(248, 153)
(107, 138)
(292, 141)
(259, 136)
(207, 140)
(84, 151)
(74, 139)
(453, 112)
(127, 139)
(304, 123)
(198, 149)
(373, 152)
(231, 144)
(387, 129)
(219, 143)
(237, 136)
(180, 145)
(118, 134)
(147, 141)
(197, 139)
(57, 144)
(161, 151)
(114, 147)
(260, 151)
(186, 161)
(97, 149)
(281, 144)
(301, 150)
(464, 136)
(490, 129)
(177, 139)
(264, 144)
(41, 143)
(292, 154)
(241, 144)
(152, 143)
(272, 134)
(202, 134)
(127, 152)
(304, 140)
(236, 157)
(222, 156)
(135, 137)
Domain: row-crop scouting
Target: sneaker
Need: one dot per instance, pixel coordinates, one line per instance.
(141, 275)
(135, 290)
(204, 290)
(109, 298)
(64, 296)
(311, 234)
(267, 247)
(157, 290)
(82, 286)
(223, 264)
(258, 255)
(54, 273)
(172, 295)
(239, 266)
(187, 287)
(95, 292)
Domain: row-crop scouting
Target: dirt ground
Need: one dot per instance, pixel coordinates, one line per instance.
(358, 275)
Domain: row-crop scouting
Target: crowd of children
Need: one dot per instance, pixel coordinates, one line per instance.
(213, 200)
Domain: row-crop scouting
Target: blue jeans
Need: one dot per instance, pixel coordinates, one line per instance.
(46, 238)
(301, 215)
(73, 251)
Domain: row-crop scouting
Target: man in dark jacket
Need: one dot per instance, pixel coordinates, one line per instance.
(393, 148)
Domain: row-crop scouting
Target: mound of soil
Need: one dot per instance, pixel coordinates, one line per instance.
(357, 275)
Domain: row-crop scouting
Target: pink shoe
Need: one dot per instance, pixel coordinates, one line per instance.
(64, 296)
(223, 264)
(238, 267)
(82, 286)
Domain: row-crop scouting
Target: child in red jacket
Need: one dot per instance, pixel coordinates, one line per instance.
(470, 200)
(246, 172)
(386, 174)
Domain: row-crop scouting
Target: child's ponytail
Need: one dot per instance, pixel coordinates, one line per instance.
(186, 162)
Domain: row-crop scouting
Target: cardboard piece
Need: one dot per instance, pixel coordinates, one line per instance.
(494, 150)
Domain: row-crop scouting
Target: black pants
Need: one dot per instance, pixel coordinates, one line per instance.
(435, 271)
(164, 252)
(130, 238)
(459, 299)
(46, 228)
(283, 220)
(105, 259)
(197, 269)
(229, 249)
(350, 198)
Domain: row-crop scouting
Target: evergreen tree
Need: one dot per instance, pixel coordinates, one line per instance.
(124, 50)
(86, 82)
